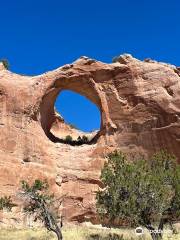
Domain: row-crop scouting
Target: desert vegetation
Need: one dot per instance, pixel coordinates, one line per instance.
(141, 193)
(77, 142)
(42, 205)
(144, 193)
(6, 203)
(5, 63)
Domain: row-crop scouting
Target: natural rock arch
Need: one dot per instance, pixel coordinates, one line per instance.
(139, 103)
(84, 87)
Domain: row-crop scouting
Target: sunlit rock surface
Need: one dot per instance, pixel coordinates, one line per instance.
(139, 103)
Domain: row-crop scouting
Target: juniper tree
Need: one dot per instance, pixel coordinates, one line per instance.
(142, 192)
(69, 139)
(42, 205)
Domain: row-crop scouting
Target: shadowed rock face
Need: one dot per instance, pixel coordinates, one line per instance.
(140, 114)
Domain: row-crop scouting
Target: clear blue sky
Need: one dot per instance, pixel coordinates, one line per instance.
(37, 36)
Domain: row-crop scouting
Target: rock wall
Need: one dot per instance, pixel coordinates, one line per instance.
(139, 103)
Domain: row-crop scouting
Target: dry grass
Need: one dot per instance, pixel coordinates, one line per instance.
(77, 233)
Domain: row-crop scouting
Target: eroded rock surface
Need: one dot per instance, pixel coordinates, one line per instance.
(139, 103)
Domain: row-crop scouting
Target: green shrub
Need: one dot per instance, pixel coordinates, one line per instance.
(6, 203)
(85, 139)
(82, 140)
(68, 138)
(5, 63)
(142, 192)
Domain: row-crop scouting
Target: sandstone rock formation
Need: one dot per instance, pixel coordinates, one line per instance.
(139, 103)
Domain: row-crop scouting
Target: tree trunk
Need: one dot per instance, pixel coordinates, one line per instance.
(58, 234)
(156, 236)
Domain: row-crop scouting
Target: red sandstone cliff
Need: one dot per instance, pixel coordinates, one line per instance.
(139, 103)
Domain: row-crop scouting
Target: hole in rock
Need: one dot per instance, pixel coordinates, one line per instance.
(78, 119)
